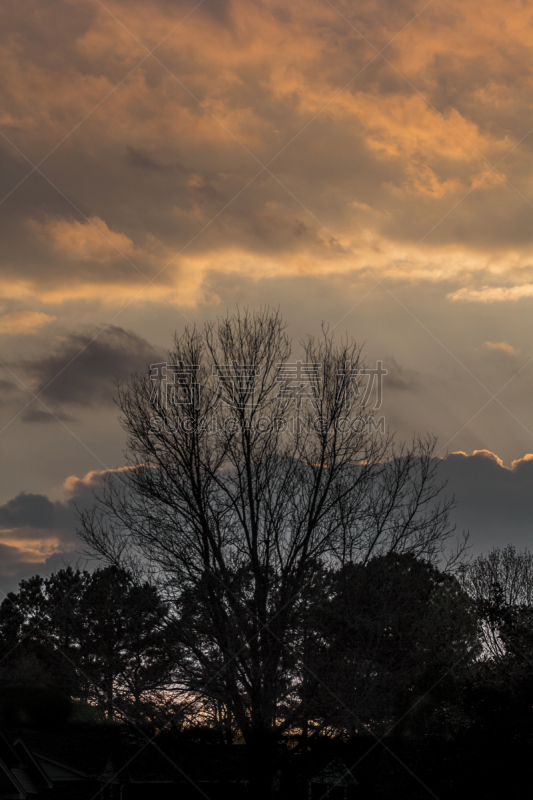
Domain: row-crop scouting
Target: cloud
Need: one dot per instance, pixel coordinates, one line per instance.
(400, 378)
(160, 162)
(23, 322)
(522, 463)
(82, 240)
(93, 480)
(7, 387)
(38, 535)
(20, 561)
(493, 500)
(32, 545)
(82, 369)
(36, 415)
(493, 294)
(27, 512)
(32, 529)
(481, 454)
(164, 175)
(503, 347)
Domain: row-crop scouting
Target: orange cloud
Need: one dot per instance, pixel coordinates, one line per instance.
(34, 549)
(519, 461)
(489, 454)
(516, 464)
(386, 160)
(22, 322)
(503, 346)
(481, 454)
(91, 480)
(82, 240)
(492, 294)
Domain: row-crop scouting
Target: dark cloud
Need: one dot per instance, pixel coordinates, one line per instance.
(13, 569)
(400, 378)
(494, 502)
(34, 530)
(38, 535)
(7, 388)
(37, 511)
(28, 509)
(83, 369)
(162, 162)
(36, 415)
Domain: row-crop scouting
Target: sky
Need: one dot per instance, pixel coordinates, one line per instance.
(367, 165)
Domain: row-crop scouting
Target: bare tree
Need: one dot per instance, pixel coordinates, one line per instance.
(238, 484)
(498, 582)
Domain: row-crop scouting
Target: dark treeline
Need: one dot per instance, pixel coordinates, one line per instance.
(439, 666)
(94, 636)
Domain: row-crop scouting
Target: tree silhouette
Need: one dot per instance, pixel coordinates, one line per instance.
(379, 629)
(234, 492)
(38, 631)
(98, 636)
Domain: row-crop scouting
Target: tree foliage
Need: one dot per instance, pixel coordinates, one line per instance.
(98, 636)
(378, 631)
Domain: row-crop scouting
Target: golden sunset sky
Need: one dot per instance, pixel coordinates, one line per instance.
(365, 164)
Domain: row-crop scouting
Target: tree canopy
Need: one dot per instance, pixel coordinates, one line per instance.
(97, 636)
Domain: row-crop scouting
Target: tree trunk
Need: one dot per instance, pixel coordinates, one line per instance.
(109, 705)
